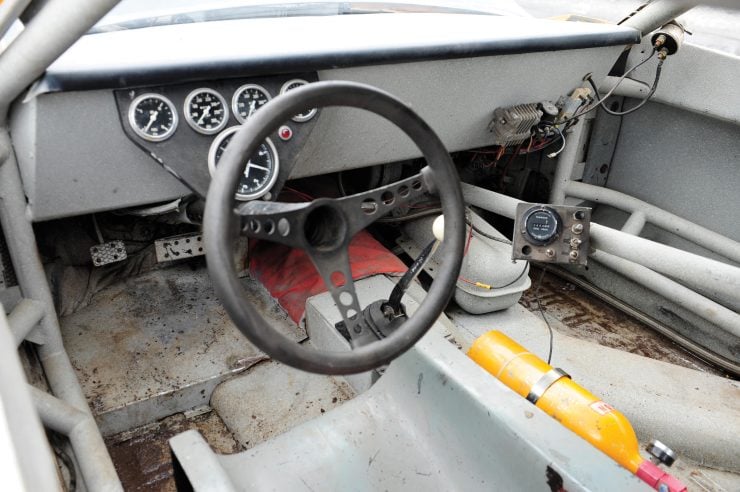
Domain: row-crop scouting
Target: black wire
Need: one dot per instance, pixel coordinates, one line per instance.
(654, 87)
(500, 240)
(408, 217)
(486, 235)
(608, 94)
(542, 311)
(394, 301)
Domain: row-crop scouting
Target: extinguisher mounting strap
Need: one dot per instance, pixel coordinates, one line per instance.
(547, 380)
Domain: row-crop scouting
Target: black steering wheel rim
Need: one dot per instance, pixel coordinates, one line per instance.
(219, 226)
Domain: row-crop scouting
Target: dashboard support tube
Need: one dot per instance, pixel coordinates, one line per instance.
(54, 29)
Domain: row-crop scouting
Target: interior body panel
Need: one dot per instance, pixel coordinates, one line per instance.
(416, 245)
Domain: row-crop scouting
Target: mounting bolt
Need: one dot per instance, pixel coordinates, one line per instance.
(550, 253)
(661, 452)
(574, 255)
(575, 243)
(577, 228)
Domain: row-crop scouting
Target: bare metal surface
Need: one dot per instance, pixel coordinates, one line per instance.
(107, 253)
(158, 344)
(180, 247)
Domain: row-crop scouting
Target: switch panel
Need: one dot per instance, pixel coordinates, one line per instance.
(551, 233)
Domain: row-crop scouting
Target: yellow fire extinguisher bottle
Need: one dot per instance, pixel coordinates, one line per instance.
(574, 407)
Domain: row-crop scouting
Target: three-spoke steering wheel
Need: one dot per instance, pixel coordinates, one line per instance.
(324, 227)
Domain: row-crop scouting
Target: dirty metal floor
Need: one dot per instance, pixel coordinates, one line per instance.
(158, 344)
(584, 316)
(142, 456)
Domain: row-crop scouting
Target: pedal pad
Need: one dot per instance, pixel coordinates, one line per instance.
(179, 247)
(106, 253)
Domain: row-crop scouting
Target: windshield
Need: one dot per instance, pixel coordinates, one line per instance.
(134, 14)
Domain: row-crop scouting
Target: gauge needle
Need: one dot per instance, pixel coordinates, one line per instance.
(152, 118)
(251, 108)
(206, 112)
(255, 166)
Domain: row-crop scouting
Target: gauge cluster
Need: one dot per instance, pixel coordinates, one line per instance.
(213, 112)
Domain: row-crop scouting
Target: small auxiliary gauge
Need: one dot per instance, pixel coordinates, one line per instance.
(248, 99)
(294, 84)
(551, 233)
(152, 117)
(541, 225)
(206, 111)
(260, 172)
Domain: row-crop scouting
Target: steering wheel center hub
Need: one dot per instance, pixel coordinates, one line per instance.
(326, 228)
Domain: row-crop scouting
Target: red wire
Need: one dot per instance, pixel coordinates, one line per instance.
(467, 242)
(305, 196)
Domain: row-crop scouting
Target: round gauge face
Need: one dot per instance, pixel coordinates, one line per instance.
(294, 84)
(260, 172)
(153, 117)
(541, 225)
(248, 99)
(205, 111)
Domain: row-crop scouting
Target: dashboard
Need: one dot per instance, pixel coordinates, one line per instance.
(136, 117)
(179, 125)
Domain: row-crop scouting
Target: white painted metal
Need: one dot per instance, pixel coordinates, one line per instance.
(655, 215)
(687, 298)
(57, 25)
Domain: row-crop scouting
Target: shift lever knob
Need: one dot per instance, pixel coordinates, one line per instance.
(438, 228)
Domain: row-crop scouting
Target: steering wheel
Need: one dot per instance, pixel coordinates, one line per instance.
(324, 227)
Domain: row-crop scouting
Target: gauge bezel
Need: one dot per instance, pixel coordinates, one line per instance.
(299, 118)
(139, 131)
(558, 225)
(193, 124)
(276, 164)
(235, 97)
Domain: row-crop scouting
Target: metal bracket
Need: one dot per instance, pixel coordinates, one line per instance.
(106, 253)
(179, 247)
(376, 324)
(547, 380)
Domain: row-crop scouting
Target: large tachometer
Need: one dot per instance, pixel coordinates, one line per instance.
(260, 172)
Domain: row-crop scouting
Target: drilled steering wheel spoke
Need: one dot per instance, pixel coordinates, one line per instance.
(274, 221)
(334, 268)
(365, 208)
